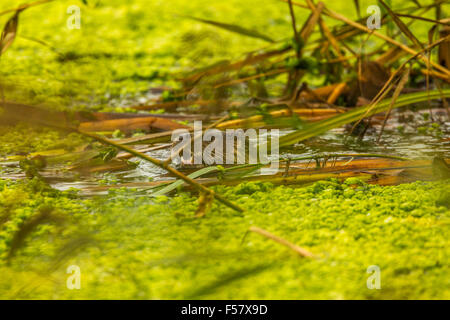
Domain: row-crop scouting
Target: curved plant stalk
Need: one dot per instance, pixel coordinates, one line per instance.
(25, 6)
(388, 85)
(178, 183)
(300, 251)
(354, 115)
(9, 32)
(401, 25)
(395, 96)
(233, 28)
(359, 26)
(165, 166)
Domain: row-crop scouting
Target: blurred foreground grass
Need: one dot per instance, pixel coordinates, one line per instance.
(132, 247)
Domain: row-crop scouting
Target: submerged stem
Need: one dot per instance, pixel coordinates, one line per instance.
(165, 166)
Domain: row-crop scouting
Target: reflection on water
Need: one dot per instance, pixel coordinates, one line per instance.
(415, 138)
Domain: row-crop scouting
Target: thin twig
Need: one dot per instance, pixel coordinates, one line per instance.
(294, 26)
(396, 94)
(388, 85)
(359, 26)
(302, 252)
(25, 6)
(165, 166)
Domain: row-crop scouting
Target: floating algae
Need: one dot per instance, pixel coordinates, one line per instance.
(152, 249)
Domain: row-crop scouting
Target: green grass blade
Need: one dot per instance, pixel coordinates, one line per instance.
(234, 28)
(179, 182)
(354, 115)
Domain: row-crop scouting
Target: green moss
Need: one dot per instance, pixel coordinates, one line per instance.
(126, 47)
(153, 249)
(131, 246)
(24, 139)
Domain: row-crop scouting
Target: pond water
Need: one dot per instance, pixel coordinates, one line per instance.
(408, 134)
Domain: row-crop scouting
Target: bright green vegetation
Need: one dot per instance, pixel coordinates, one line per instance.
(125, 47)
(132, 246)
(23, 139)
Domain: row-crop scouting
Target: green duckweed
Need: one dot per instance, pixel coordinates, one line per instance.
(144, 248)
